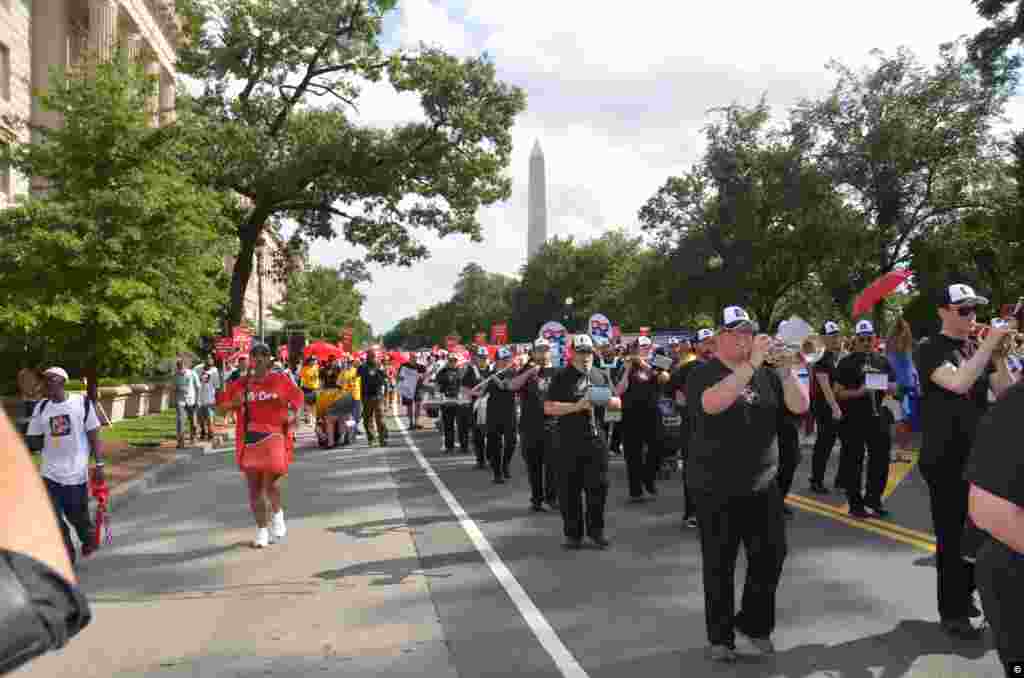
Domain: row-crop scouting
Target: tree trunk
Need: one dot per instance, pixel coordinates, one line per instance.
(248, 234)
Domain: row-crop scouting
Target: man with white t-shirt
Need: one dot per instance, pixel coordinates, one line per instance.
(66, 429)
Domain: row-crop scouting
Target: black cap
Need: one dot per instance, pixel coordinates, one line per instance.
(260, 347)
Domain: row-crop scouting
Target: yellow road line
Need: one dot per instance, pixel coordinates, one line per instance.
(899, 470)
(920, 540)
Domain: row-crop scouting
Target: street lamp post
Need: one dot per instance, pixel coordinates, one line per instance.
(568, 314)
(259, 284)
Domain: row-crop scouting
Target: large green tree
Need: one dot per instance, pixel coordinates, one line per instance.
(909, 147)
(120, 262)
(325, 301)
(281, 80)
(989, 47)
(747, 224)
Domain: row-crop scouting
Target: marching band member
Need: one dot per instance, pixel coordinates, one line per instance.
(501, 415)
(825, 407)
(638, 389)
(956, 377)
(447, 380)
(860, 390)
(731, 470)
(535, 427)
(582, 448)
(705, 352)
(472, 376)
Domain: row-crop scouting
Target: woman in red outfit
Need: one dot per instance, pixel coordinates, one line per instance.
(261, 401)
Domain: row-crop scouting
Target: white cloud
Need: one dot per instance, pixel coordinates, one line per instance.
(618, 97)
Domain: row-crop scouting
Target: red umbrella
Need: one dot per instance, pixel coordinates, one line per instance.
(878, 290)
(321, 350)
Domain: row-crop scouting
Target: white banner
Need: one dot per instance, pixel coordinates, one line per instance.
(408, 378)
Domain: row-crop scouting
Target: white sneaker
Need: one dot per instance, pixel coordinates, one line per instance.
(262, 538)
(277, 526)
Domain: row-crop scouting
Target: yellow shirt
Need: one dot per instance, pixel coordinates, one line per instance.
(325, 398)
(350, 383)
(310, 377)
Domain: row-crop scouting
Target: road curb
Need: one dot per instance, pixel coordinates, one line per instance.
(125, 492)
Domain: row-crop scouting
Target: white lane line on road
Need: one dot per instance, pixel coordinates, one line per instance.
(549, 640)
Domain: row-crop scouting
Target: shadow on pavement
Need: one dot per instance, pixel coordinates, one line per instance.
(886, 655)
(397, 570)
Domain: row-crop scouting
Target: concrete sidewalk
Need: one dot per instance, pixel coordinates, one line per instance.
(181, 592)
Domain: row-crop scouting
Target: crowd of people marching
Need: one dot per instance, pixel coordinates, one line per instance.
(726, 404)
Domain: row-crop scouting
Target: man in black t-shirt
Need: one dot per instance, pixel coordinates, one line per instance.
(371, 381)
(501, 415)
(862, 380)
(532, 383)
(996, 475)
(448, 381)
(731, 470)
(955, 380)
(638, 388)
(581, 448)
(475, 372)
(825, 408)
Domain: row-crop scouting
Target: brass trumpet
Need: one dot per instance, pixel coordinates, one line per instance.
(1011, 345)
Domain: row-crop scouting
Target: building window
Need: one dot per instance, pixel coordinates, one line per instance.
(5, 72)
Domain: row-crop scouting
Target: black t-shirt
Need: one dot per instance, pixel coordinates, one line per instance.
(448, 380)
(995, 464)
(827, 366)
(641, 395)
(948, 420)
(501, 403)
(851, 372)
(732, 453)
(533, 420)
(473, 374)
(569, 385)
(372, 379)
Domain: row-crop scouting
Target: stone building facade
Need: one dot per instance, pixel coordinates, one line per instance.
(39, 36)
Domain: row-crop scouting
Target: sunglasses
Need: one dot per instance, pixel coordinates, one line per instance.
(966, 311)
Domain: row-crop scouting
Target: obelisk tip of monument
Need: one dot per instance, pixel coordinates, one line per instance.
(536, 148)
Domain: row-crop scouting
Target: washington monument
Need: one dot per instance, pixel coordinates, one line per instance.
(537, 232)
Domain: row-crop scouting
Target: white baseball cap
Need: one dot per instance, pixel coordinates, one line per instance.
(57, 371)
(644, 341)
(541, 343)
(830, 328)
(672, 341)
(734, 316)
(704, 335)
(959, 293)
(583, 343)
(864, 328)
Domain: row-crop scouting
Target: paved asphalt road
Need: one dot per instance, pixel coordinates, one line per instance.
(378, 576)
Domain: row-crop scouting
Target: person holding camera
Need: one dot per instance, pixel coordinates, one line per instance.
(732, 471)
(581, 446)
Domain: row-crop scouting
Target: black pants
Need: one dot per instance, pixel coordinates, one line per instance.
(71, 504)
(724, 522)
(616, 432)
(789, 454)
(828, 431)
(639, 432)
(448, 416)
(501, 445)
(538, 453)
(1001, 584)
(955, 576)
(860, 434)
(583, 485)
(468, 425)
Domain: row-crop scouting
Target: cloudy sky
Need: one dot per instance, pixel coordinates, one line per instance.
(617, 99)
